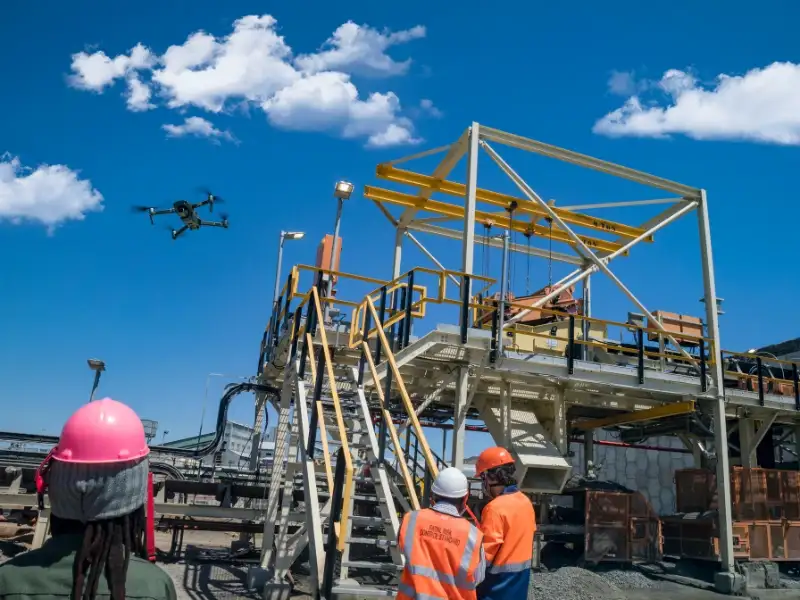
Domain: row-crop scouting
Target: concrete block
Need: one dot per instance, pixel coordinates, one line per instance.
(277, 591)
(256, 577)
(772, 576)
(732, 584)
(754, 575)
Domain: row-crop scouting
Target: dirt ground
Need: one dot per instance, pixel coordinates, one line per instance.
(207, 571)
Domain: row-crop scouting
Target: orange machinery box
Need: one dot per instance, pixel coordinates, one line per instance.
(676, 324)
(324, 251)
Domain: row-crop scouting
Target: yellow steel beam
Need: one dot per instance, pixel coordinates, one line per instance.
(453, 188)
(443, 208)
(658, 412)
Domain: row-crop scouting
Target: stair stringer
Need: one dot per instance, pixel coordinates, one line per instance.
(382, 485)
(540, 466)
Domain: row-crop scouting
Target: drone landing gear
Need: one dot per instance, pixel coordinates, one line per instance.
(177, 232)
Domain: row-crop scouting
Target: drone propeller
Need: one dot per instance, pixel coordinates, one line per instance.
(147, 209)
(210, 195)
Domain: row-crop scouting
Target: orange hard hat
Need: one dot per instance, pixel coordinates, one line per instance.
(492, 458)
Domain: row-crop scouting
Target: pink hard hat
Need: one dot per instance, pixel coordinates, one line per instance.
(103, 431)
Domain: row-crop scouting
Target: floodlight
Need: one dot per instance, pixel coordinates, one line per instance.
(343, 190)
(96, 364)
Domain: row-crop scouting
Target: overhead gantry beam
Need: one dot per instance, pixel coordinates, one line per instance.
(650, 414)
(453, 210)
(523, 206)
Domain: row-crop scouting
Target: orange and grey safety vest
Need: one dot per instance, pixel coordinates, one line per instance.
(443, 553)
(508, 524)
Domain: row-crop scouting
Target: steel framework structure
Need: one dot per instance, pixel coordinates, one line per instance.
(591, 255)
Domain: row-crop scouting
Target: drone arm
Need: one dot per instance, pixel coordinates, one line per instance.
(165, 211)
(214, 223)
(176, 233)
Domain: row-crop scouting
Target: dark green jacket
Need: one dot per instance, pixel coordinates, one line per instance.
(46, 574)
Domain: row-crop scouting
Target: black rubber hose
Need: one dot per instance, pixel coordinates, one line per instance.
(232, 390)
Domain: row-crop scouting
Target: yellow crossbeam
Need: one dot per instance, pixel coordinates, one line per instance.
(453, 210)
(452, 188)
(650, 414)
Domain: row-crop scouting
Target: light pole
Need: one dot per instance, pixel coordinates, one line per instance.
(342, 191)
(285, 235)
(98, 366)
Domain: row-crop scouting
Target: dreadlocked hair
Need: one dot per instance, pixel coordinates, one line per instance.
(107, 547)
(503, 475)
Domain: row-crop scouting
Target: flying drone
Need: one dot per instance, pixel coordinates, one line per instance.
(188, 214)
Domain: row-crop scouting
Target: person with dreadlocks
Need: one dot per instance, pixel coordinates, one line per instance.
(508, 523)
(96, 481)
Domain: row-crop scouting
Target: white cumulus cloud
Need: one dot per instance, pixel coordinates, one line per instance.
(49, 194)
(763, 105)
(361, 50)
(197, 127)
(253, 66)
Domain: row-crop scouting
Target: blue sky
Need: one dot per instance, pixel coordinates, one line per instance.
(276, 125)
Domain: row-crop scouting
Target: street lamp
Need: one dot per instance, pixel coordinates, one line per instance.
(98, 366)
(342, 191)
(285, 235)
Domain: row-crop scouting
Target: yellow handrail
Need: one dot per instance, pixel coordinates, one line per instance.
(323, 430)
(387, 417)
(348, 460)
(401, 386)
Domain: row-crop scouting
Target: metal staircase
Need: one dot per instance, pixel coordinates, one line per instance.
(338, 486)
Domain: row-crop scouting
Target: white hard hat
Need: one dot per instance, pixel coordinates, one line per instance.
(451, 483)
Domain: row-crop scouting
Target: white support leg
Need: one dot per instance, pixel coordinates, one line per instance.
(316, 549)
(355, 428)
(588, 452)
(559, 431)
(728, 574)
(747, 433)
(276, 477)
(283, 557)
(398, 251)
(505, 412)
(460, 416)
(470, 201)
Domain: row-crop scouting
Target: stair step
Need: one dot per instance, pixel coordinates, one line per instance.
(381, 543)
(362, 591)
(372, 566)
(375, 521)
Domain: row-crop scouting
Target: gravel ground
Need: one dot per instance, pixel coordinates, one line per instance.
(572, 583)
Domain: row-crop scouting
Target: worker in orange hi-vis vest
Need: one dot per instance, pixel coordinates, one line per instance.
(443, 553)
(508, 523)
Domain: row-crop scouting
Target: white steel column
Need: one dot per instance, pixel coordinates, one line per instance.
(747, 433)
(460, 416)
(587, 312)
(470, 200)
(398, 251)
(720, 423)
(559, 430)
(588, 451)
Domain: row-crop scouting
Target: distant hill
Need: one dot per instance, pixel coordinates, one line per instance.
(783, 348)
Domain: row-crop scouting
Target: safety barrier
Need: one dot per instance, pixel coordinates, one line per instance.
(760, 374)
(405, 299)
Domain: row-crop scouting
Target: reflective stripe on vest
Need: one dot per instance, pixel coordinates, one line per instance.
(462, 576)
(408, 592)
(510, 567)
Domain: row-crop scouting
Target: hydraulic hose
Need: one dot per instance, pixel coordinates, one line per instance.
(231, 391)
